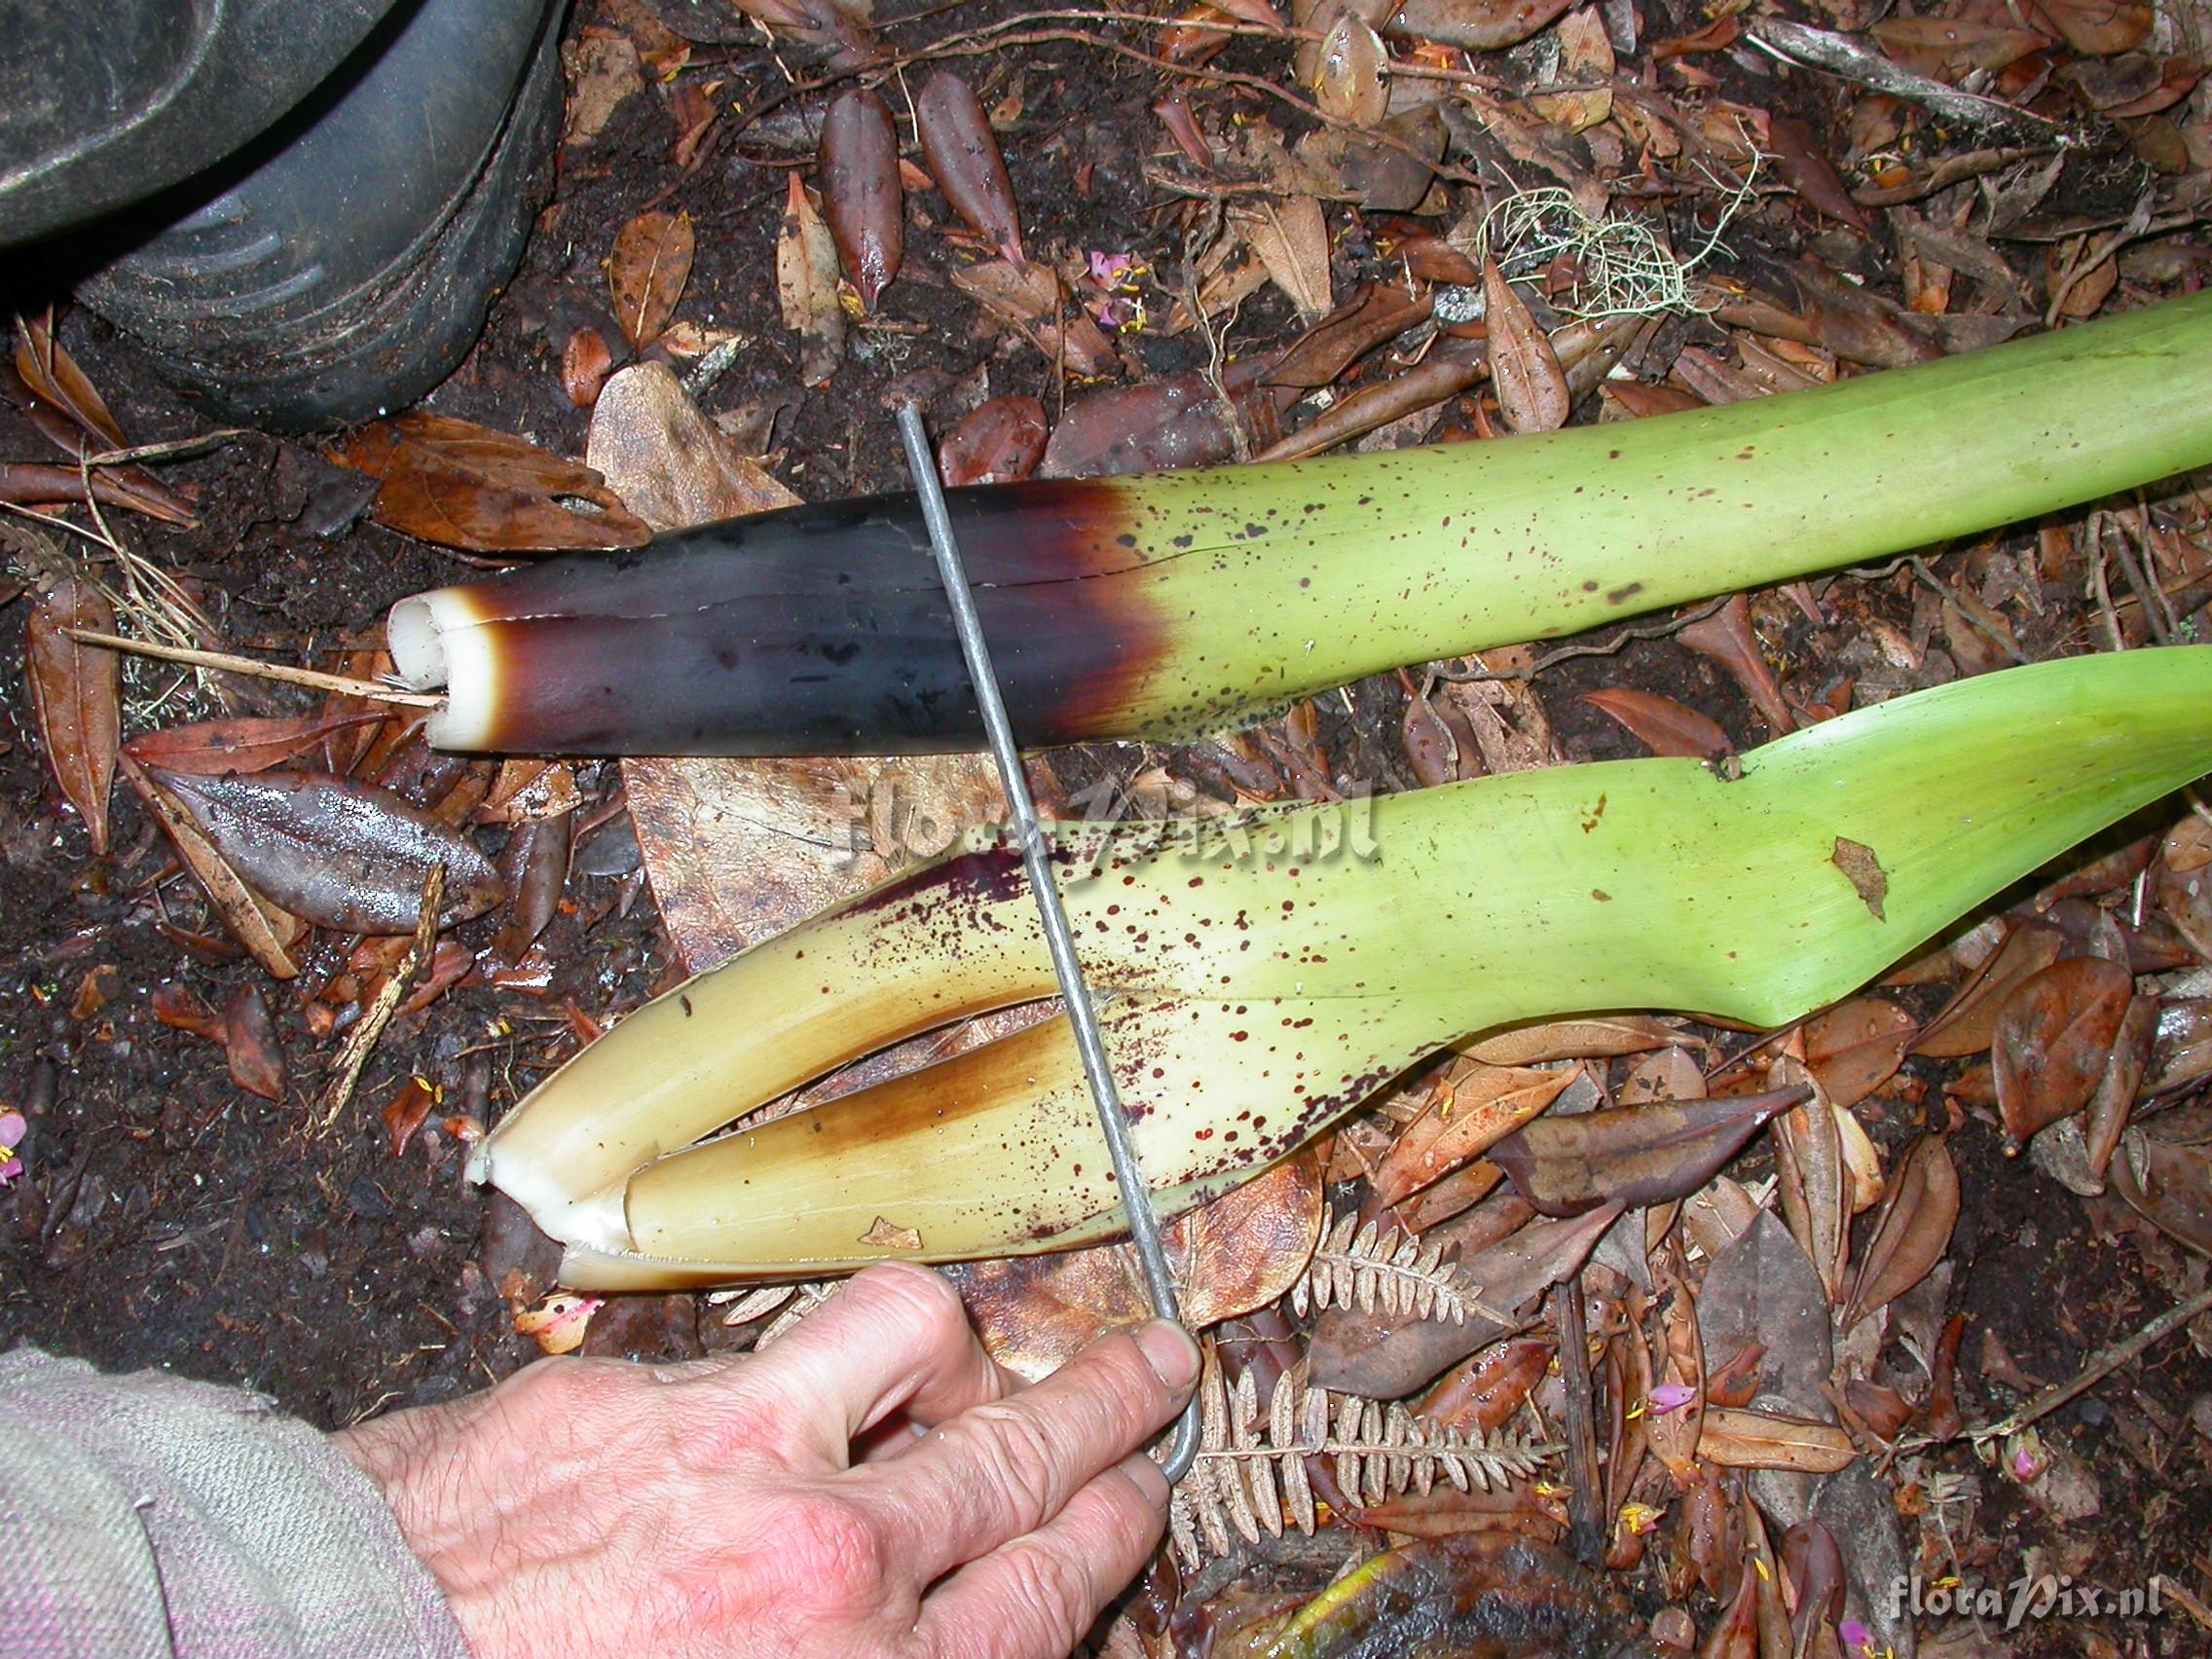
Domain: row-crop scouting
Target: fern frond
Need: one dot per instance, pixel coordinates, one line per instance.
(1376, 1268)
(1250, 1480)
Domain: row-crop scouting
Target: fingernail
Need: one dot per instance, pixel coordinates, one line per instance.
(1146, 1476)
(1171, 1353)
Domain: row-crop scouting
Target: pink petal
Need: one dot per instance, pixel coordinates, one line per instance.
(1672, 1397)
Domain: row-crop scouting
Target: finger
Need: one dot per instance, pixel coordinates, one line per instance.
(1035, 1596)
(893, 1337)
(1008, 1466)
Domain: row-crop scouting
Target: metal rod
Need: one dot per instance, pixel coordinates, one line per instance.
(1059, 941)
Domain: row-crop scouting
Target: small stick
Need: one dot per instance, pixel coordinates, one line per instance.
(1586, 1533)
(2099, 1367)
(315, 677)
(347, 1073)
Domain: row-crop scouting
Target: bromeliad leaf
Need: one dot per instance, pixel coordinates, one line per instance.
(341, 854)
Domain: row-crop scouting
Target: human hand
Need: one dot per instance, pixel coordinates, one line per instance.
(872, 1487)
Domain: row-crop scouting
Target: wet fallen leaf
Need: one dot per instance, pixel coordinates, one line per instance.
(963, 156)
(1814, 1188)
(836, 31)
(1531, 387)
(534, 868)
(1159, 427)
(857, 165)
(2052, 1039)
(1352, 73)
(341, 854)
(405, 1113)
(461, 485)
(64, 404)
(647, 273)
(998, 442)
(1484, 1392)
(1032, 299)
(1646, 1155)
(2164, 1171)
(1465, 1119)
(250, 743)
(1662, 724)
(250, 1035)
(267, 932)
(52, 376)
(806, 285)
(2113, 1103)
(1912, 1231)
(1857, 1047)
(75, 697)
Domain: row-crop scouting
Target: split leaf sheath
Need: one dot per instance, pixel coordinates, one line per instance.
(1178, 604)
(1263, 973)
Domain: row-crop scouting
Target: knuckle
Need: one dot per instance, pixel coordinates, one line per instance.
(913, 1296)
(832, 1545)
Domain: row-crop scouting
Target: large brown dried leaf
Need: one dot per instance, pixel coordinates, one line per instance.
(465, 485)
(342, 854)
(1240, 1252)
(1743, 1438)
(1726, 638)
(2099, 28)
(1382, 1357)
(1639, 1155)
(1854, 1048)
(836, 31)
(1660, 724)
(646, 275)
(2053, 1041)
(51, 375)
(1465, 1119)
(963, 156)
(2113, 1102)
(806, 285)
(670, 464)
(75, 697)
(858, 162)
(1912, 1231)
(250, 743)
(249, 1038)
(1966, 1023)
(1531, 387)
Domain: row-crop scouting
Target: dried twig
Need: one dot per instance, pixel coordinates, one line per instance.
(1840, 55)
(383, 1006)
(344, 683)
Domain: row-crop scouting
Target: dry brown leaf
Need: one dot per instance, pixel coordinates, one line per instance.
(1815, 1191)
(1289, 236)
(1591, 1037)
(1660, 724)
(998, 442)
(1030, 298)
(1913, 1231)
(670, 464)
(246, 744)
(2053, 1041)
(1647, 1154)
(1743, 1438)
(1465, 1119)
(75, 697)
(249, 1039)
(1966, 1023)
(603, 71)
(963, 154)
(461, 485)
(52, 376)
(1854, 1048)
(1673, 1433)
(1531, 387)
(806, 285)
(647, 273)
(1482, 25)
